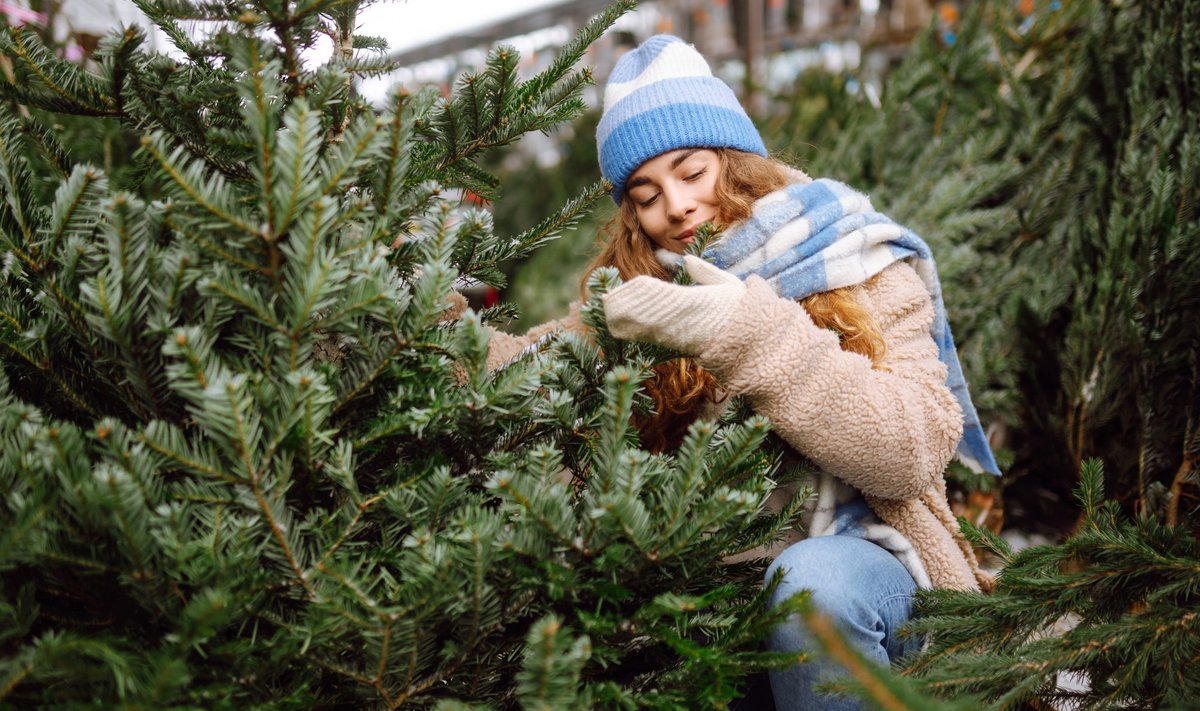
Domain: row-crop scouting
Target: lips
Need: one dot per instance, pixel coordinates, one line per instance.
(686, 236)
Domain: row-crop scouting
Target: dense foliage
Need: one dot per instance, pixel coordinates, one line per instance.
(1051, 162)
(251, 459)
(249, 456)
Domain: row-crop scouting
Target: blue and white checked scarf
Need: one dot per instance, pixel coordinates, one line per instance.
(815, 237)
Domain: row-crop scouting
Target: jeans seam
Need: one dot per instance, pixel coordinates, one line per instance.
(896, 596)
(889, 639)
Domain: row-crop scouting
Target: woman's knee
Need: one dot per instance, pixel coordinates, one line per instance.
(836, 570)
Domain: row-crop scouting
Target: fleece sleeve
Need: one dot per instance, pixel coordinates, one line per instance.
(887, 431)
(503, 347)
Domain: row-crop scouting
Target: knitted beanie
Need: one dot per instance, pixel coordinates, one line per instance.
(660, 97)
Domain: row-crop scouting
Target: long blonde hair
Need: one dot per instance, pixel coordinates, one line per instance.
(680, 387)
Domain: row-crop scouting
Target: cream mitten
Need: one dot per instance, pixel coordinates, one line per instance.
(682, 318)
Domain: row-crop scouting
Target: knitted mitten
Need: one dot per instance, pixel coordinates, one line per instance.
(682, 318)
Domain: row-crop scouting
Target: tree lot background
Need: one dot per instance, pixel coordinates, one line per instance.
(250, 460)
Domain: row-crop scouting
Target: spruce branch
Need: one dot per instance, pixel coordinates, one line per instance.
(435, 277)
(365, 67)
(13, 337)
(115, 311)
(470, 176)
(613, 444)
(498, 81)
(572, 52)
(304, 403)
(153, 110)
(550, 672)
(165, 14)
(503, 109)
(180, 224)
(261, 94)
(111, 317)
(549, 229)
(210, 194)
(359, 145)
(116, 55)
(65, 87)
(173, 449)
(404, 113)
(312, 277)
(19, 213)
(284, 24)
(540, 499)
(369, 297)
(1129, 589)
(297, 150)
(195, 10)
(75, 210)
(359, 377)
(50, 146)
(242, 295)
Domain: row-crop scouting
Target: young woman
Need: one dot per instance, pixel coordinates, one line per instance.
(823, 314)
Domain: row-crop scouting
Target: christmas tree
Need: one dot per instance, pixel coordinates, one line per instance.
(1049, 155)
(251, 456)
(1107, 619)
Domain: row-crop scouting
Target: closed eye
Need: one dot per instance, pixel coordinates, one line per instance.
(648, 201)
(696, 175)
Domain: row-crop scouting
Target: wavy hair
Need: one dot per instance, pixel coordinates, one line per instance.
(680, 387)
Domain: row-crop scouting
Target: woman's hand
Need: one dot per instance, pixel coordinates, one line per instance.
(683, 318)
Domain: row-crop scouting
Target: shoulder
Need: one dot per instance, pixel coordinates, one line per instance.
(896, 292)
(898, 279)
(794, 174)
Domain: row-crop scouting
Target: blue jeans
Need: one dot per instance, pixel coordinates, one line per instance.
(866, 591)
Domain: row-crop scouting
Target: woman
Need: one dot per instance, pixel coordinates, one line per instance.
(824, 315)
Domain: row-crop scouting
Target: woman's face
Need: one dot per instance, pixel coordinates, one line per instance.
(675, 193)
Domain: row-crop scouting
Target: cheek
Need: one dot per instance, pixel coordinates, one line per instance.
(651, 220)
(654, 229)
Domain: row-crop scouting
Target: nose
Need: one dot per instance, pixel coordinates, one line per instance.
(679, 203)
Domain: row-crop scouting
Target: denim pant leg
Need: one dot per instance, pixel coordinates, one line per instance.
(866, 591)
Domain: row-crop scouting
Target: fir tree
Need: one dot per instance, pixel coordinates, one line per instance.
(1123, 594)
(1051, 162)
(249, 457)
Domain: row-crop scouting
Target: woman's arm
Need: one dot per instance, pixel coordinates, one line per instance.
(888, 432)
(503, 347)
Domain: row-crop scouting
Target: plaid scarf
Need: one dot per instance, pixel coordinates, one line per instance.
(813, 237)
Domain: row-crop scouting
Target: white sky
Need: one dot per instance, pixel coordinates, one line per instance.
(407, 23)
(404, 23)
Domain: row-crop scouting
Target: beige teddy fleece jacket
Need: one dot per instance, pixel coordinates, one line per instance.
(888, 432)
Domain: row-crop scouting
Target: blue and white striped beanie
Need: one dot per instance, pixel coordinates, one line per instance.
(660, 97)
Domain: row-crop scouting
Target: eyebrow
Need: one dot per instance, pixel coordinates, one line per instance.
(642, 180)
